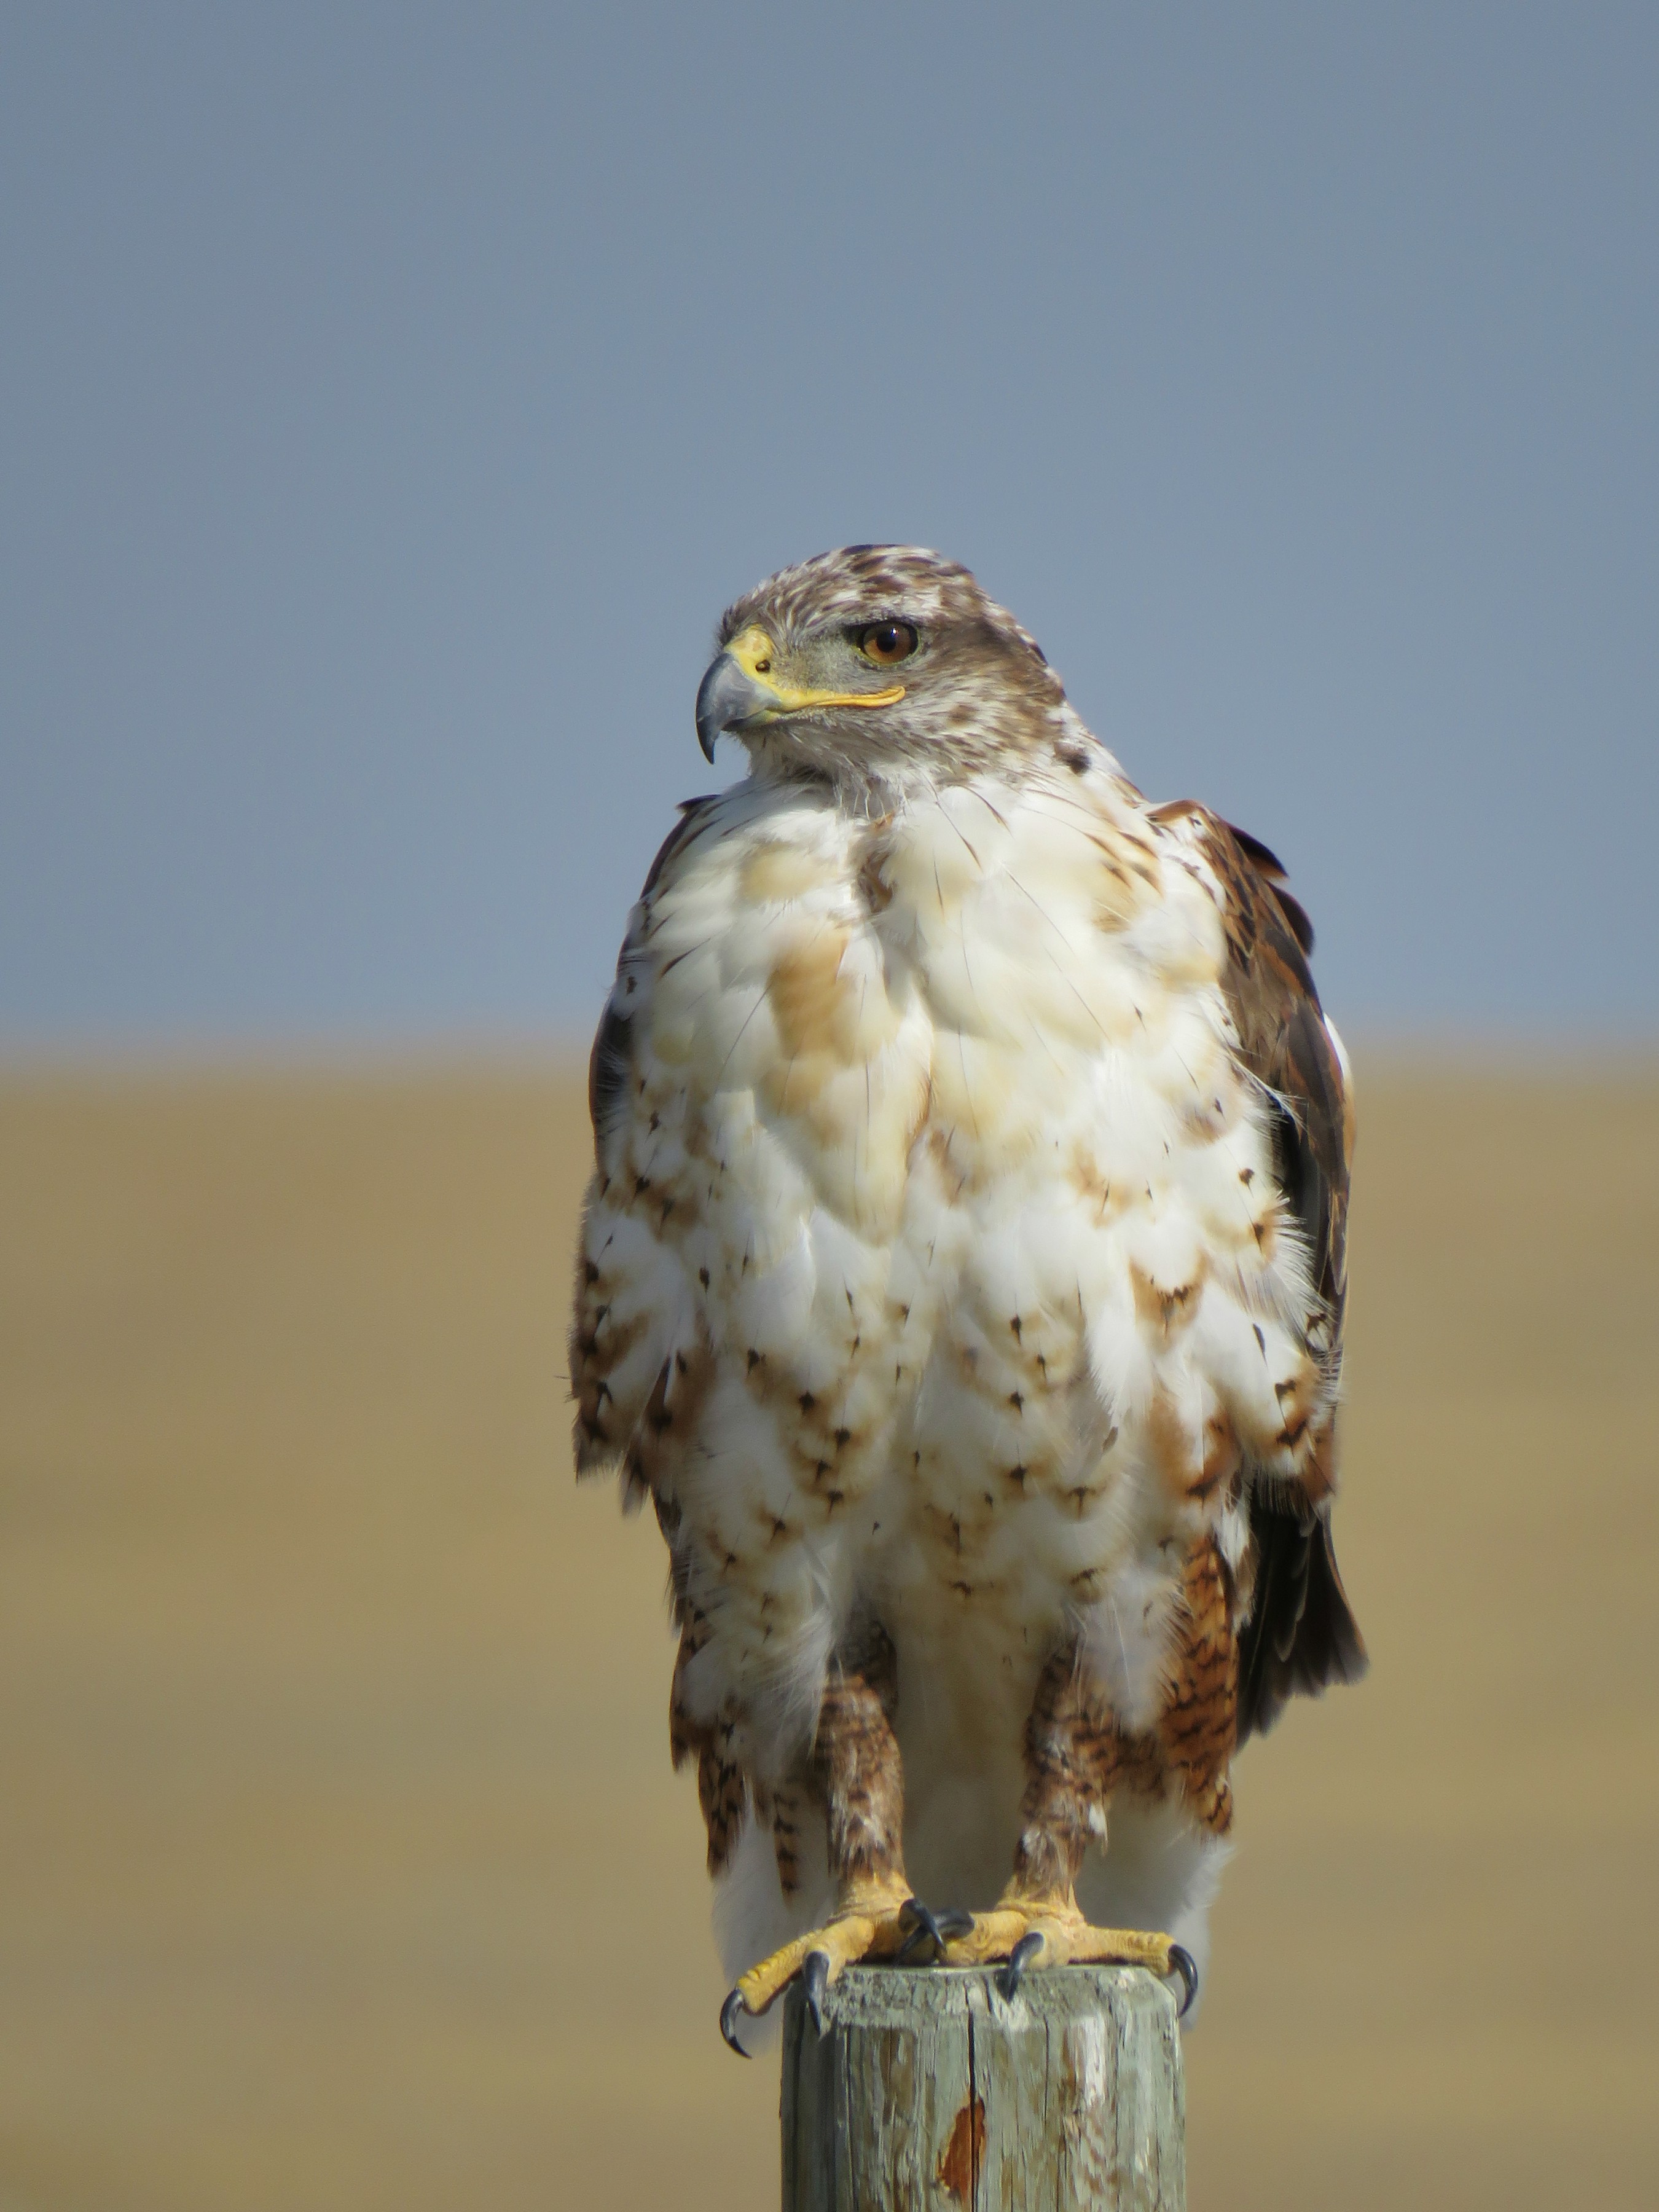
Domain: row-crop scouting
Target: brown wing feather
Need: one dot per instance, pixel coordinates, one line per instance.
(1300, 1634)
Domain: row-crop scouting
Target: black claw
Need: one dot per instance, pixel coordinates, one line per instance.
(924, 1929)
(1019, 1959)
(1187, 1967)
(931, 1927)
(731, 2012)
(815, 1980)
(925, 1932)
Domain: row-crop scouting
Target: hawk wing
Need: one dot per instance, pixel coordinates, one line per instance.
(621, 1326)
(1300, 1634)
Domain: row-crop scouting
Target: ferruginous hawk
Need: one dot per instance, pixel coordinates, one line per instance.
(962, 1279)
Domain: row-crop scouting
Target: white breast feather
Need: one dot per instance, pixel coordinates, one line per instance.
(937, 1148)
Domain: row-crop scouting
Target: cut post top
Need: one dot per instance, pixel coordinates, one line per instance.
(928, 2087)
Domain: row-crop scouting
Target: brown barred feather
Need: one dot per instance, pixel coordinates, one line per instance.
(1198, 1727)
(856, 1766)
(1077, 1753)
(1071, 1768)
(723, 1793)
(785, 1837)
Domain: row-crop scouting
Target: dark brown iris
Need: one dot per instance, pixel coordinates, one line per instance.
(887, 642)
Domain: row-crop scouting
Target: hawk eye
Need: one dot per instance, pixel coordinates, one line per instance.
(886, 642)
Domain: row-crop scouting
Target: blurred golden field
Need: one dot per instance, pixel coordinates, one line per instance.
(341, 1865)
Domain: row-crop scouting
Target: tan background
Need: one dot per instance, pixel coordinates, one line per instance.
(340, 1862)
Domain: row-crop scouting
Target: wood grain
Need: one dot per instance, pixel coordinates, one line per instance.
(928, 2090)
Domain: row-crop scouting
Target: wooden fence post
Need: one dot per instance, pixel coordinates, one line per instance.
(927, 2091)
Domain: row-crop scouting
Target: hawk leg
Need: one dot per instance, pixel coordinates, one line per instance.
(856, 1771)
(1072, 1752)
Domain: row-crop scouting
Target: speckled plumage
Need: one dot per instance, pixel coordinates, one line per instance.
(963, 1278)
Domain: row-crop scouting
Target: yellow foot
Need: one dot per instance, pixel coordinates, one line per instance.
(1052, 1932)
(871, 1924)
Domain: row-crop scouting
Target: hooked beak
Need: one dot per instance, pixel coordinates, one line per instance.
(735, 692)
(727, 696)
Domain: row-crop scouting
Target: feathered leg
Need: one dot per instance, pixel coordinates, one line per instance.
(855, 1769)
(1073, 1754)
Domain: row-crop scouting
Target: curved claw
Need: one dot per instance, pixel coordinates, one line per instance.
(930, 1927)
(1187, 1967)
(924, 1929)
(815, 1980)
(1019, 1959)
(731, 2012)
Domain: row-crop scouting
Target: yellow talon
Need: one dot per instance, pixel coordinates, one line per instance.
(1024, 1931)
(871, 1926)
(1030, 1931)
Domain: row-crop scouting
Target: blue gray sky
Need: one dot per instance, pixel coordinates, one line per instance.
(393, 396)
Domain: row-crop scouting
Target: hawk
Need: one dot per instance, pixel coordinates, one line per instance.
(962, 1279)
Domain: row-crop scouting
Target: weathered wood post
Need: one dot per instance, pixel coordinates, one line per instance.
(928, 2091)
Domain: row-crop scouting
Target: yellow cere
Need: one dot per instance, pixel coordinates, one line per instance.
(752, 651)
(755, 653)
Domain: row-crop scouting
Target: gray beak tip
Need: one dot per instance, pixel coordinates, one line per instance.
(726, 696)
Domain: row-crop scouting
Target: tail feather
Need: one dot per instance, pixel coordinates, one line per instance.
(1301, 1634)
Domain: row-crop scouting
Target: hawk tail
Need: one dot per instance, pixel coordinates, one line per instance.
(1301, 1634)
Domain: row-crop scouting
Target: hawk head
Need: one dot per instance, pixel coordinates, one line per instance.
(878, 662)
